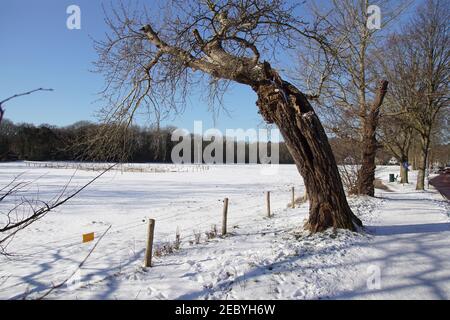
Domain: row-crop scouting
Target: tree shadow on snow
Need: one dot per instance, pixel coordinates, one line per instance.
(408, 228)
(428, 276)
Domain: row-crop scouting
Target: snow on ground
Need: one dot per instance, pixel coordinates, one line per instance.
(407, 240)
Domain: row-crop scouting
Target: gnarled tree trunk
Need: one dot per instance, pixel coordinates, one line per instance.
(366, 174)
(281, 103)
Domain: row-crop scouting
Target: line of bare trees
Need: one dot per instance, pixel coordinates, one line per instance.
(381, 88)
(416, 60)
(343, 80)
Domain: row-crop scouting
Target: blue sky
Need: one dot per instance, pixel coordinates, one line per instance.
(37, 50)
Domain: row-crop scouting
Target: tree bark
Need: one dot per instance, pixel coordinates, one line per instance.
(414, 161)
(366, 174)
(422, 163)
(281, 103)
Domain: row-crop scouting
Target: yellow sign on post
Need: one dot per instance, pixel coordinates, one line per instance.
(88, 237)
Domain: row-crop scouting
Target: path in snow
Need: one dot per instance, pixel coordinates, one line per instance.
(442, 184)
(411, 246)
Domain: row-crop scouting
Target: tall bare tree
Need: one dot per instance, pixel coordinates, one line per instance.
(418, 64)
(341, 77)
(151, 60)
(397, 136)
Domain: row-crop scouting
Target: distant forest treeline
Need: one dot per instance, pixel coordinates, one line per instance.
(50, 143)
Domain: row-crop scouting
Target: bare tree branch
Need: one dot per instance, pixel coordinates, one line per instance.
(33, 210)
(2, 110)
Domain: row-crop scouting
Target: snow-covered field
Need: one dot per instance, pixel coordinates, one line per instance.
(404, 253)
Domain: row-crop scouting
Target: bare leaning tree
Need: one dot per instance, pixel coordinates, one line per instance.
(151, 61)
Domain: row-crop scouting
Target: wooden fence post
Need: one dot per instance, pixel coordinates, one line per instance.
(268, 203)
(293, 198)
(224, 218)
(148, 252)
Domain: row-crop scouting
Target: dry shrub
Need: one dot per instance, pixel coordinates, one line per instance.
(349, 176)
(378, 184)
(299, 201)
(177, 243)
(212, 233)
(168, 247)
(164, 249)
(197, 237)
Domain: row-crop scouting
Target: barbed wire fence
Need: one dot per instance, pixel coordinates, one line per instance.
(122, 167)
(133, 233)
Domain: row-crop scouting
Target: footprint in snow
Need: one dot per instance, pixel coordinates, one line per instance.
(150, 291)
(161, 296)
(189, 275)
(190, 262)
(299, 294)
